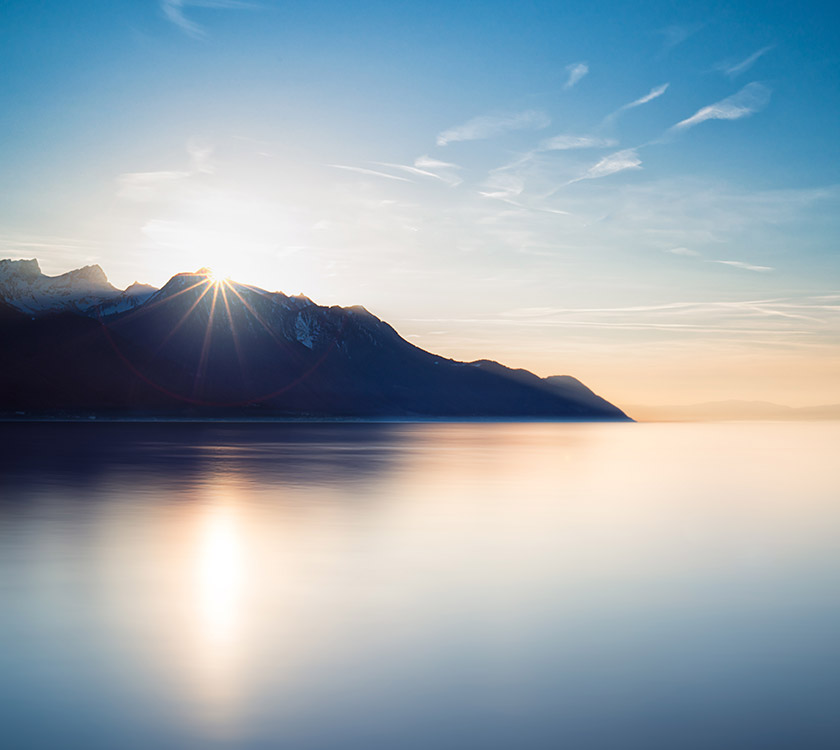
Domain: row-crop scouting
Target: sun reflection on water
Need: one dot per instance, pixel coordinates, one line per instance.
(219, 576)
(217, 612)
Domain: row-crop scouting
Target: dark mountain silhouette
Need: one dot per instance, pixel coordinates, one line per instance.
(221, 348)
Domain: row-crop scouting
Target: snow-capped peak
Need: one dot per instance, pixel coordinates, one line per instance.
(25, 287)
(19, 269)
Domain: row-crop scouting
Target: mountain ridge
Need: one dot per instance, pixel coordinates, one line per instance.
(203, 346)
(84, 290)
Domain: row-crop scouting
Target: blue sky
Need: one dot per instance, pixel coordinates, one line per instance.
(643, 195)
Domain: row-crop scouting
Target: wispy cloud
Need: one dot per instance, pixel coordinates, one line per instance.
(173, 10)
(617, 162)
(566, 142)
(556, 143)
(745, 266)
(409, 169)
(425, 167)
(744, 65)
(145, 186)
(779, 317)
(654, 93)
(372, 172)
(576, 71)
(53, 253)
(489, 126)
(610, 164)
(687, 252)
(503, 186)
(149, 186)
(676, 34)
(427, 162)
(444, 170)
(750, 99)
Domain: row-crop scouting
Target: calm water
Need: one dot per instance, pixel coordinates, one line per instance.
(420, 586)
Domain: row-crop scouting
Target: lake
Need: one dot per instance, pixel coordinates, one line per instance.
(471, 585)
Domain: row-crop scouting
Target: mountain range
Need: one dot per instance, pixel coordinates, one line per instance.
(735, 410)
(74, 344)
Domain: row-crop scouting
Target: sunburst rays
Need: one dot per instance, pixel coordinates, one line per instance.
(234, 335)
(208, 335)
(186, 315)
(220, 287)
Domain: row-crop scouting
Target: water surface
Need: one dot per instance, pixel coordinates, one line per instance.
(419, 586)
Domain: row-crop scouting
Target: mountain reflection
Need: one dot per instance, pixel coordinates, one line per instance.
(184, 453)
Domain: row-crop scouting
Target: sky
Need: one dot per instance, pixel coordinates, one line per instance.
(644, 196)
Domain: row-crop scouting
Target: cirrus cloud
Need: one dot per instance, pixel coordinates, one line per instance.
(173, 10)
(567, 142)
(489, 126)
(617, 162)
(750, 99)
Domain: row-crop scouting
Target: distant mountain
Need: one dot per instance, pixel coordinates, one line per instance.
(133, 296)
(85, 290)
(734, 410)
(202, 347)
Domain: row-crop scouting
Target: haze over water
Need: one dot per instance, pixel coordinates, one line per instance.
(488, 585)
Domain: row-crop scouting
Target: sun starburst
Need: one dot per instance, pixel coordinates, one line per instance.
(216, 277)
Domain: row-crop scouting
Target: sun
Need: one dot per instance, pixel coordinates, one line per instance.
(216, 277)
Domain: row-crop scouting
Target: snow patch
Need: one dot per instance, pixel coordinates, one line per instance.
(306, 329)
